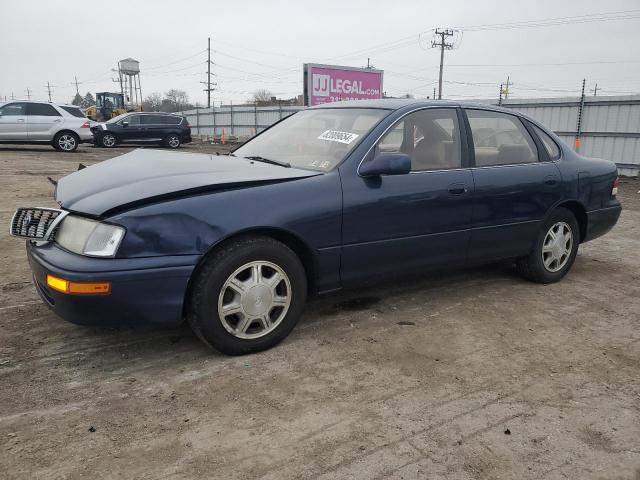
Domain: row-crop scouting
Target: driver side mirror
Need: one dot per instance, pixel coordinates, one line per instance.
(386, 164)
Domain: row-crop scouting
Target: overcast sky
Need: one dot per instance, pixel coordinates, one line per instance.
(263, 44)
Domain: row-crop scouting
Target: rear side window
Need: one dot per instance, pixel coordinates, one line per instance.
(149, 119)
(76, 112)
(42, 109)
(549, 144)
(500, 139)
(171, 120)
(13, 110)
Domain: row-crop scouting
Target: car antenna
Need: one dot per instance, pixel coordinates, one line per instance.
(54, 182)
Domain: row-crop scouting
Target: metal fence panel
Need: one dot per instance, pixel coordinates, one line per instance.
(610, 125)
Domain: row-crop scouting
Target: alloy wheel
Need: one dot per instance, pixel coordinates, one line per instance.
(108, 140)
(556, 247)
(67, 142)
(173, 141)
(254, 300)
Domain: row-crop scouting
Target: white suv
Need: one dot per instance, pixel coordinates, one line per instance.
(62, 126)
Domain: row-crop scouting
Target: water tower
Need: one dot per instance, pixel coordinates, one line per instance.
(129, 71)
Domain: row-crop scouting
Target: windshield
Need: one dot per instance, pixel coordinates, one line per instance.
(117, 119)
(316, 139)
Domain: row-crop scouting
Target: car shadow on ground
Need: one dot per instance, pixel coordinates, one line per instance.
(117, 346)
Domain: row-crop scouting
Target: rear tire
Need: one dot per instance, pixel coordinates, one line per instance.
(108, 140)
(555, 249)
(66, 142)
(172, 141)
(247, 296)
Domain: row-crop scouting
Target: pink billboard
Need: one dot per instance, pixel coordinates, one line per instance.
(328, 83)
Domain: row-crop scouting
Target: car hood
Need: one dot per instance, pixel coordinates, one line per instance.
(146, 176)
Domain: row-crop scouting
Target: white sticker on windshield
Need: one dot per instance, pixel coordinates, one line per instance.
(338, 136)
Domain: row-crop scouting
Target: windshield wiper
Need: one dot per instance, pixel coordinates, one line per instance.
(258, 158)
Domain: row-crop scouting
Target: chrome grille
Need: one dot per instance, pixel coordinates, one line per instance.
(36, 223)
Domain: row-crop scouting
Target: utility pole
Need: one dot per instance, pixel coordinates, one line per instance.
(434, 93)
(580, 111)
(208, 83)
(49, 90)
(444, 45)
(28, 94)
(77, 85)
(506, 88)
(595, 90)
(500, 97)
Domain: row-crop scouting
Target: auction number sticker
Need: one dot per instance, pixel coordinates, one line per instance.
(338, 136)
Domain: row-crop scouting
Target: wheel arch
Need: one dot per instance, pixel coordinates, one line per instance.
(64, 130)
(291, 240)
(580, 212)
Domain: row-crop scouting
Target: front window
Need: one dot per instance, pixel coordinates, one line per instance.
(118, 118)
(430, 137)
(315, 139)
(109, 100)
(13, 110)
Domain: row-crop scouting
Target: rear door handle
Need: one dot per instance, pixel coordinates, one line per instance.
(458, 189)
(21, 120)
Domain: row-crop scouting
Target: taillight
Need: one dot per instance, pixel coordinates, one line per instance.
(85, 125)
(614, 190)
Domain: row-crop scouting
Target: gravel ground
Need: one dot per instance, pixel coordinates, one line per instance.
(474, 374)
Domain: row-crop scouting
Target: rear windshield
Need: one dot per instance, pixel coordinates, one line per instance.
(75, 111)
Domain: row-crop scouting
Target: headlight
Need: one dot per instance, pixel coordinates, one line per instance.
(88, 237)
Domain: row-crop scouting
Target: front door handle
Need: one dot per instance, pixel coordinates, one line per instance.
(21, 120)
(57, 120)
(458, 189)
(551, 180)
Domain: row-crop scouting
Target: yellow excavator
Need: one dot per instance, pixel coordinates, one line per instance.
(108, 105)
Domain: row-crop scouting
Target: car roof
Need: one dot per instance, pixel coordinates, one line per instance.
(40, 101)
(398, 103)
(156, 113)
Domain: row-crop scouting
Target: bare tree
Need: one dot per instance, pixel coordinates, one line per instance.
(262, 96)
(178, 98)
(152, 102)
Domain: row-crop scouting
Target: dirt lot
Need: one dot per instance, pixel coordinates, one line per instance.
(469, 375)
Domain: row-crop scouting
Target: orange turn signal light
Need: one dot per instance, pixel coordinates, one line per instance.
(82, 288)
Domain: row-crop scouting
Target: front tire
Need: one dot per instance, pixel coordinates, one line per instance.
(555, 249)
(108, 140)
(247, 296)
(66, 142)
(172, 141)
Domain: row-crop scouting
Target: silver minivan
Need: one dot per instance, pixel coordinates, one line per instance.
(27, 122)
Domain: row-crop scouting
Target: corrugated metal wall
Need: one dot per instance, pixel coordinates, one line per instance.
(242, 121)
(610, 125)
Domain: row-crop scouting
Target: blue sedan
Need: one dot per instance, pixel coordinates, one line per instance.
(332, 197)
